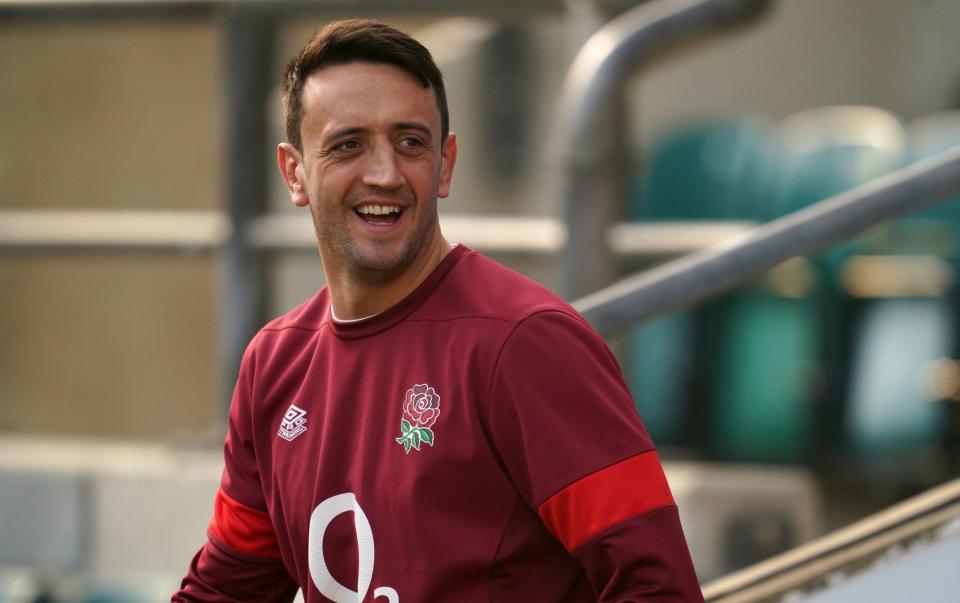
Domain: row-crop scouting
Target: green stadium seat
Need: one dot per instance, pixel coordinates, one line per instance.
(892, 416)
(766, 350)
(928, 136)
(892, 395)
(771, 345)
(829, 150)
(713, 170)
(660, 370)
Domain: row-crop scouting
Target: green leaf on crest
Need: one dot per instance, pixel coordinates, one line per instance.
(404, 426)
(426, 434)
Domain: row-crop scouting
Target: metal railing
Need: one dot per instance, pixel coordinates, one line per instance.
(809, 566)
(598, 71)
(689, 279)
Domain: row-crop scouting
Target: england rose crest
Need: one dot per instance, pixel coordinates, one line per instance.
(421, 408)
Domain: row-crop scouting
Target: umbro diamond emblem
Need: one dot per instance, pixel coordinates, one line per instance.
(293, 424)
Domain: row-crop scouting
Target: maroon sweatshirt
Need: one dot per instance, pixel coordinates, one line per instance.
(475, 442)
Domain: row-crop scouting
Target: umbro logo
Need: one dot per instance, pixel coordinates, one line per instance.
(294, 423)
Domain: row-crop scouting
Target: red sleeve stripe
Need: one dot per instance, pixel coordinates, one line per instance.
(593, 503)
(242, 528)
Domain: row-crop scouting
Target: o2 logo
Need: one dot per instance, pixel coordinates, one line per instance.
(319, 572)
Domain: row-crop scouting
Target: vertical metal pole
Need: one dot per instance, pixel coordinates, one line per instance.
(591, 177)
(598, 184)
(248, 48)
(599, 181)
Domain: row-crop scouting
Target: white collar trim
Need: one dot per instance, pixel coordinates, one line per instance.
(345, 321)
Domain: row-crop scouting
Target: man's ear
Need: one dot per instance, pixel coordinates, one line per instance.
(448, 157)
(290, 163)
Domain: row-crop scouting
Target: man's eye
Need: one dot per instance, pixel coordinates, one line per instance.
(412, 142)
(347, 145)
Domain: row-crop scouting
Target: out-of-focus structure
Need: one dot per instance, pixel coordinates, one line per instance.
(144, 237)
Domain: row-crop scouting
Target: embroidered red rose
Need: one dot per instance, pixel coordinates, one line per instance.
(421, 408)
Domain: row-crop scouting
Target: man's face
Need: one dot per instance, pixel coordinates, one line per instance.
(371, 169)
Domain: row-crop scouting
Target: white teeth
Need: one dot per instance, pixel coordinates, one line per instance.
(378, 210)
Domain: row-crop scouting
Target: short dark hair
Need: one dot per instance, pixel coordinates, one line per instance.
(358, 40)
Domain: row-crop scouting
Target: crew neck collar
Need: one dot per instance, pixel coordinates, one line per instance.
(346, 321)
(382, 321)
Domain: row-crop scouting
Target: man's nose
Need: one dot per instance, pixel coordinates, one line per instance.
(383, 169)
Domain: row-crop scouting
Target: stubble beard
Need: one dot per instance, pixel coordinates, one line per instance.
(342, 252)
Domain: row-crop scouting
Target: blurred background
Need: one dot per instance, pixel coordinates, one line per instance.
(145, 235)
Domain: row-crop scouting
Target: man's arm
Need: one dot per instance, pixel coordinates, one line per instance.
(644, 558)
(621, 524)
(240, 562)
(218, 575)
(569, 435)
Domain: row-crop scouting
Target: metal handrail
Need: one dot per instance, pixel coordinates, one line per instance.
(587, 166)
(694, 277)
(810, 563)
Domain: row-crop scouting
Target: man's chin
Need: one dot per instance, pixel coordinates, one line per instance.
(381, 266)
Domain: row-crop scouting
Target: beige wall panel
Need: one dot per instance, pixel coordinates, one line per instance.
(100, 344)
(110, 114)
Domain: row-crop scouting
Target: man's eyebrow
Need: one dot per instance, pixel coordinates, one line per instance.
(348, 131)
(413, 125)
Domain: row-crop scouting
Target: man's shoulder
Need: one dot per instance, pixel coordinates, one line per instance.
(282, 339)
(482, 288)
(301, 322)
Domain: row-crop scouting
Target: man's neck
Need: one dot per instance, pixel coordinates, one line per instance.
(352, 299)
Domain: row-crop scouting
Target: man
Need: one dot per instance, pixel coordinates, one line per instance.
(431, 426)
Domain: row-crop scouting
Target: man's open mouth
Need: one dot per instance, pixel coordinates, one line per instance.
(379, 215)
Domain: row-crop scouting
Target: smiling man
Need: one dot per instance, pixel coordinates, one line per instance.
(371, 160)
(430, 426)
